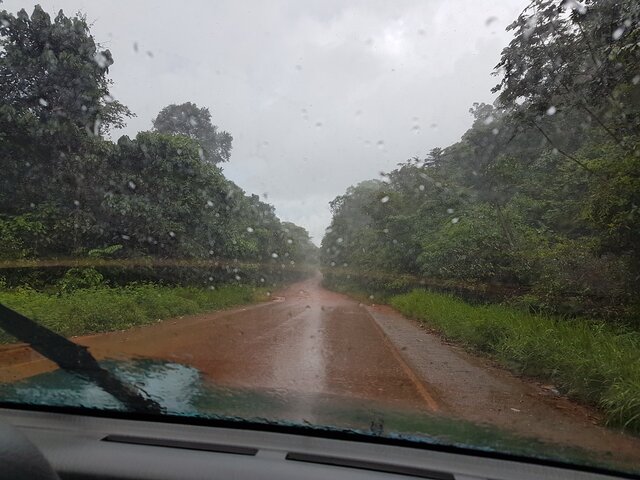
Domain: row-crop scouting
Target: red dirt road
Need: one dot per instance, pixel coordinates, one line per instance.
(311, 341)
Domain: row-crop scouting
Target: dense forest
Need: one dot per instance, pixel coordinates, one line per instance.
(539, 201)
(154, 208)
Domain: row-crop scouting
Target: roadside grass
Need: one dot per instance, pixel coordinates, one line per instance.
(104, 309)
(586, 359)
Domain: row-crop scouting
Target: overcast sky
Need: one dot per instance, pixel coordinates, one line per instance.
(318, 95)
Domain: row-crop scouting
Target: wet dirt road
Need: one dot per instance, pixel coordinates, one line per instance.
(309, 343)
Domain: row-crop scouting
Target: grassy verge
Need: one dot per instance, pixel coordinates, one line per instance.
(105, 309)
(588, 360)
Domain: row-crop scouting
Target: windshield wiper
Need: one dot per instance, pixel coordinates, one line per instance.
(74, 358)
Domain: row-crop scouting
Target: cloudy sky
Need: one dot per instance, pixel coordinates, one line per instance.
(319, 94)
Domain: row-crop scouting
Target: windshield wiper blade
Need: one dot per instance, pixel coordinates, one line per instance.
(74, 358)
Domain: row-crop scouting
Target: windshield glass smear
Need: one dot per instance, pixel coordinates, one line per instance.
(414, 221)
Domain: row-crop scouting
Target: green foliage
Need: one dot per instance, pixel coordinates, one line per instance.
(587, 360)
(66, 192)
(540, 196)
(79, 278)
(94, 310)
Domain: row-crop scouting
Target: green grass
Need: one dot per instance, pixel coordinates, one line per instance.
(588, 360)
(106, 309)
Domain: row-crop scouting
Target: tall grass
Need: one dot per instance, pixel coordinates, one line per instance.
(105, 309)
(588, 360)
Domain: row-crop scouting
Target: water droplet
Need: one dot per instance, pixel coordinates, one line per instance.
(385, 199)
(43, 102)
(415, 129)
(551, 110)
(289, 241)
(490, 20)
(488, 120)
(298, 67)
(237, 277)
(101, 60)
(333, 264)
(380, 144)
(135, 47)
(495, 131)
(274, 255)
(433, 125)
(618, 33)
(450, 210)
(172, 234)
(131, 185)
(385, 230)
(149, 54)
(339, 240)
(125, 237)
(636, 80)
(329, 230)
(261, 279)
(421, 188)
(371, 297)
(318, 124)
(555, 151)
(209, 203)
(76, 203)
(422, 31)
(211, 279)
(455, 220)
(268, 294)
(250, 229)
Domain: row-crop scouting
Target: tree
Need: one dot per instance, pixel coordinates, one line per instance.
(191, 121)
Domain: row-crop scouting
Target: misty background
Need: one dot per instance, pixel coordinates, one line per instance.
(318, 95)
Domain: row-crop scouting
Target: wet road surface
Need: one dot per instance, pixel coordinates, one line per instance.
(309, 344)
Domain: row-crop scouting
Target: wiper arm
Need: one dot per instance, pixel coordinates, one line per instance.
(74, 358)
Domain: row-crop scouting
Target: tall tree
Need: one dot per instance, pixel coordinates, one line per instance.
(194, 122)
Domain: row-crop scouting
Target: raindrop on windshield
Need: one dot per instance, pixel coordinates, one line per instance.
(551, 110)
(421, 188)
(617, 33)
(101, 60)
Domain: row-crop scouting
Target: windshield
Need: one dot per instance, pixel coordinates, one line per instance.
(409, 219)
